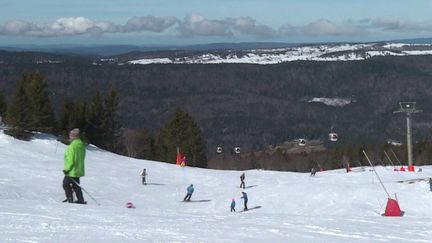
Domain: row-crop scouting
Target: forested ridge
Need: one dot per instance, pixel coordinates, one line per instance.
(246, 105)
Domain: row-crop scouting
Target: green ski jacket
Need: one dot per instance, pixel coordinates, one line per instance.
(74, 159)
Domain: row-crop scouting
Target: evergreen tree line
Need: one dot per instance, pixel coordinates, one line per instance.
(180, 132)
(30, 111)
(331, 158)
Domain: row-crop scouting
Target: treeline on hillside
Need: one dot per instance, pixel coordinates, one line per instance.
(255, 106)
(330, 158)
(30, 111)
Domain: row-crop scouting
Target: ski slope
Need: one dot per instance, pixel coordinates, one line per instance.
(334, 206)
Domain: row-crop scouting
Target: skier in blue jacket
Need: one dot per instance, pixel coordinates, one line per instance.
(233, 205)
(190, 190)
(245, 198)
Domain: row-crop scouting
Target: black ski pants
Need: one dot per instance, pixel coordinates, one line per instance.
(242, 184)
(188, 197)
(70, 186)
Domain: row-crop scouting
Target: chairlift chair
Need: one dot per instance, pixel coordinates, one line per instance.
(219, 149)
(302, 142)
(333, 137)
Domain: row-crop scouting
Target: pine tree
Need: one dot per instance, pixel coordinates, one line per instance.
(109, 123)
(30, 108)
(41, 112)
(73, 115)
(94, 118)
(18, 114)
(181, 131)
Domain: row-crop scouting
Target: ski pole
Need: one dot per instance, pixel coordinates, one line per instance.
(85, 191)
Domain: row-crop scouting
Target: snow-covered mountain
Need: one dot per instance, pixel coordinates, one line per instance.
(325, 52)
(333, 206)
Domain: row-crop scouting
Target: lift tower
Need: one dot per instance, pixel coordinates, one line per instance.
(409, 109)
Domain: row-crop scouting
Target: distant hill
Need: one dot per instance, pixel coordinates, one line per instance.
(248, 105)
(110, 50)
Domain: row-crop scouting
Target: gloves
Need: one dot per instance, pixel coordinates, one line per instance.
(65, 172)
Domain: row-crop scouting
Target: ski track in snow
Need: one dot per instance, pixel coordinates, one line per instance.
(333, 206)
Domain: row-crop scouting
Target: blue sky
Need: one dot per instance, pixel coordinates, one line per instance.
(183, 22)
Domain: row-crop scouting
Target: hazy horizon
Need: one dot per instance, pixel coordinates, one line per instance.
(191, 22)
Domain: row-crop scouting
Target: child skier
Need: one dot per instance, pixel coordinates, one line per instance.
(143, 174)
(233, 205)
(183, 162)
(242, 183)
(245, 198)
(190, 190)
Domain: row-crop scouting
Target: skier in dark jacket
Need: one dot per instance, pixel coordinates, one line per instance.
(143, 175)
(242, 183)
(245, 198)
(313, 171)
(233, 203)
(190, 190)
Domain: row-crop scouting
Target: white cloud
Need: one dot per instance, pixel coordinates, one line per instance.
(149, 23)
(401, 25)
(60, 27)
(17, 27)
(248, 26)
(197, 25)
(194, 25)
(323, 27)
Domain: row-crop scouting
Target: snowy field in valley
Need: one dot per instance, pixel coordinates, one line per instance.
(334, 206)
(322, 53)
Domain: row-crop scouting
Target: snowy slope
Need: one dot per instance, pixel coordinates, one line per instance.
(332, 207)
(329, 52)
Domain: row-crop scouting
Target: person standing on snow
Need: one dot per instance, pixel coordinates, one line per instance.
(143, 175)
(313, 171)
(245, 198)
(242, 183)
(430, 184)
(74, 157)
(190, 190)
(233, 203)
(183, 162)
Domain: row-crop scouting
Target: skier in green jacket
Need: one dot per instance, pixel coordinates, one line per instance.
(74, 167)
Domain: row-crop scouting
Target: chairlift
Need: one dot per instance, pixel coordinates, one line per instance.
(219, 149)
(333, 137)
(237, 150)
(302, 142)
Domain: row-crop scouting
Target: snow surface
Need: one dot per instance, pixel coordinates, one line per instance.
(334, 206)
(331, 52)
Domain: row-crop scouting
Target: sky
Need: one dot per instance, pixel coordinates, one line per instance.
(332, 207)
(185, 22)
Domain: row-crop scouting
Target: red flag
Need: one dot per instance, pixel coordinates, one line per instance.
(178, 159)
